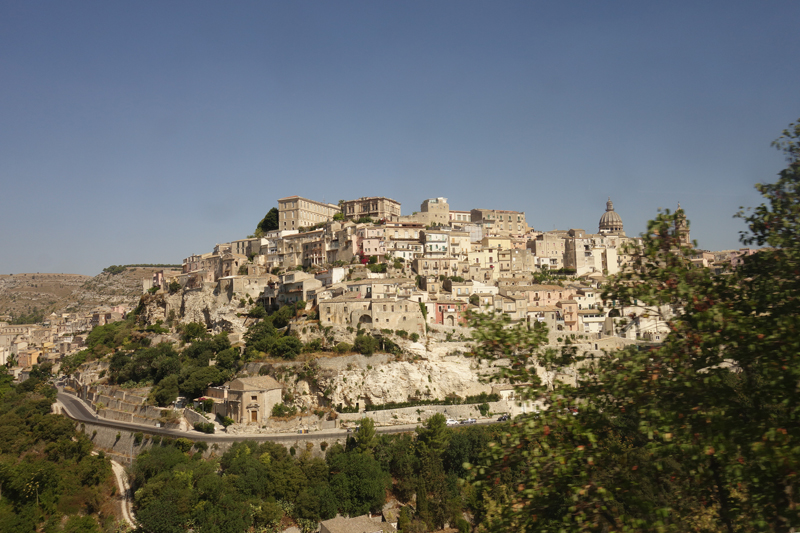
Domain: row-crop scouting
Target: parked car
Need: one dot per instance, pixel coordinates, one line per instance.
(451, 422)
(469, 421)
(503, 418)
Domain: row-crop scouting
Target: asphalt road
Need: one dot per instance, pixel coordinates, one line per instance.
(77, 409)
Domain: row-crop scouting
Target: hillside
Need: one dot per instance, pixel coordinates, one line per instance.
(23, 294)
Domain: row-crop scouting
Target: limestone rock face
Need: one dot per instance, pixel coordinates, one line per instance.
(436, 376)
(204, 305)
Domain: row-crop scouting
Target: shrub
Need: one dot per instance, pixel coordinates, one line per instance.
(343, 347)
(207, 405)
(287, 347)
(183, 444)
(280, 410)
(226, 421)
(364, 344)
(201, 446)
(484, 409)
(323, 445)
(379, 268)
(256, 311)
(137, 438)
(313, 346)
(414, 337)
(401, 333)
(204, 427)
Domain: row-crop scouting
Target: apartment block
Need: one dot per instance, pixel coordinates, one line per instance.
(500, 222)
(295, 212)
(375, 207)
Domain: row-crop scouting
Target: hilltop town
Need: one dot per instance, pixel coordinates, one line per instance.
(332, 321)
(346, 262)
(362, 264)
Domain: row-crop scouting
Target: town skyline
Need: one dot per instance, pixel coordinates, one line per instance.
(144, 134)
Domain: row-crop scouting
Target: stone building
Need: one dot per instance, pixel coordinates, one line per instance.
(348, 310)
(375, 207)
(249, 400)
(610, 222)
(434, 212)
(549, 248)
(499, 221)
(295, 212)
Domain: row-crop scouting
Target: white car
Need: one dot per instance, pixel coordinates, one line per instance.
(451, 422)
(469, 421)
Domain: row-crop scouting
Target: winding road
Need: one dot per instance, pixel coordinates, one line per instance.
(76, 409)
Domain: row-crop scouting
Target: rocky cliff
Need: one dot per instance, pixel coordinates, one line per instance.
(204, 305)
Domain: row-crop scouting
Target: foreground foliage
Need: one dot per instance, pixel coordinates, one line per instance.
(49, 481)
(699, 434)
(262, 485)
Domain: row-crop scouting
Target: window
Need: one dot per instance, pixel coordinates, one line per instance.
(254, 398)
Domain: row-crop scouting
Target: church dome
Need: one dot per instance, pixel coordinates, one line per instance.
(610, 222)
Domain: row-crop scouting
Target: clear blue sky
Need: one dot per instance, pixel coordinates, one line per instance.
(143, 132)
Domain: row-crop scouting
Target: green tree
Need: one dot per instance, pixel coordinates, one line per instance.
(257, 311)
(166, 391)
(699, 433)
(196, 383)
(192, 331)
(434, 436)
(358, 483)
(287, 347)
(365, 344)
(365, 436)
(269, 222)
(261, 336)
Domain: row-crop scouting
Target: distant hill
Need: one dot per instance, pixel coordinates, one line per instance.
(26, 294)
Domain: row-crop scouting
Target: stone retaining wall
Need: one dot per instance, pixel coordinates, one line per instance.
(193, 417)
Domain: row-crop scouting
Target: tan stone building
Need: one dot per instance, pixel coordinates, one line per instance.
(592, 253)
(500, 222)
(383, 313)
(375, 207)
(549, 247)
(434, 212)
(435, 266)
(295, 212)
(249, 400)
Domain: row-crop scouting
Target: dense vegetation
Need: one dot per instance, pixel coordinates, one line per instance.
(133, 362)
(268, 223)
(697, 434)
(119, 269)
(49, 481)
(36, 316)
(263, 485)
